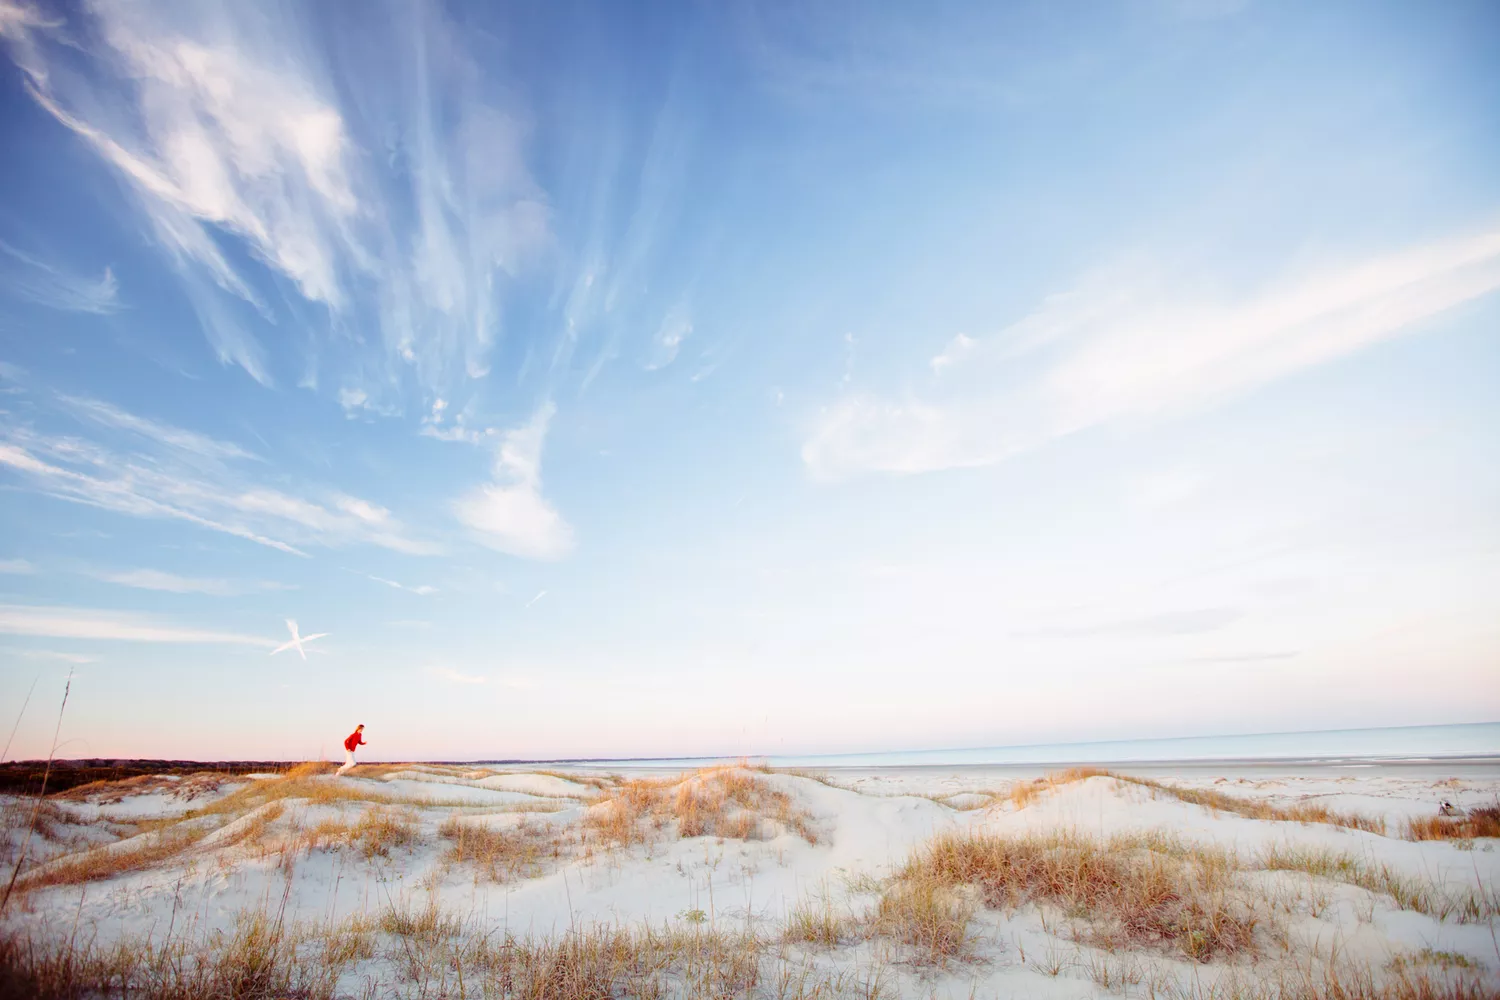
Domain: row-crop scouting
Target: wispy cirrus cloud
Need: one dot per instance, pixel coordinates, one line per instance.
(17, 566)
(422, 590)
(90, 623)
(400, 202)
(104, 414)
(440, 425)
(958, 348)
(157, 470)
(510, 514)
(1126, 345)
(34, 280)
(151, 579)
(675, 328)
(60, 657)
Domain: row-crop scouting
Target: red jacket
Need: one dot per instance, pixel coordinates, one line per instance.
(356, 739)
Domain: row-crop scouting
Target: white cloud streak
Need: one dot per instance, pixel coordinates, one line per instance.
(1123, 347)
(34, 280)
(87, 623)
(223, 122)
(16, 566)
(107, 415)
(169, 472)
(510, 514)
(151, 579)
(676, 327)
(957, 349)
(51, 654)
(423, 590)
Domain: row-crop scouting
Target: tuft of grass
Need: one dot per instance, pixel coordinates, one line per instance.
(1465, 906)
(1446, 960)
(1023, 794)
(1481, 822)
(379, 830)
(427, 924)
(98, 863)
(499, 855)
(347, 941)
(727, 802)
(819, 923)
(1128, 891)
(619, 817)
(328, 835)
(1112, 973)
(926, 914)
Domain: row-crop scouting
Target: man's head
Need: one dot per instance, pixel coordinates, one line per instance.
(359, 727)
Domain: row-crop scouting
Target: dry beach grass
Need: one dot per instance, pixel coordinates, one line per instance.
(1483, 821)
(1138, 914)
(1126, 891)
(1024, 793)
(727, 802)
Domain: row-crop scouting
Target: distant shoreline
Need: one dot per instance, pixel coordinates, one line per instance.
(1451, 749)
(24, 777)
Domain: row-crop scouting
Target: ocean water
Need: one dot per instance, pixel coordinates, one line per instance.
(1404, 743)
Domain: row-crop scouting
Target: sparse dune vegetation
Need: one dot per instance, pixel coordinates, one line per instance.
(1481, 821)
(734, 803)
(438, 881)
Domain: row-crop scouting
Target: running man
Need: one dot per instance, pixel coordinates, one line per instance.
(355, 739)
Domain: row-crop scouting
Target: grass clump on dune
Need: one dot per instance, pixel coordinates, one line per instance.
(1481, 822)
(499, 855)
(1300, 812)
(819, 922)
(729, 803)
(928, 915)
(1024, 793)
(380, 830)
(184, 787)
(1125, 892)
(115, 859)
(1440, 902)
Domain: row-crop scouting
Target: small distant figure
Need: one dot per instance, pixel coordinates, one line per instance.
(355, 739)
(1447, 809)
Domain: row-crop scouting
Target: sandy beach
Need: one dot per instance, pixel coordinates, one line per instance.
(1200, 880)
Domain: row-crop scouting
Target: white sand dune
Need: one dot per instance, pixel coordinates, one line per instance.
(858, 829)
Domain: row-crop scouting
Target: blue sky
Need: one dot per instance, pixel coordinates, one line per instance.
(732, 378)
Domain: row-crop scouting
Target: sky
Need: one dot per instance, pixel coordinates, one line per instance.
(734, 378)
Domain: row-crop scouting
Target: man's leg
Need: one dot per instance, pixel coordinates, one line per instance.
(348, 761)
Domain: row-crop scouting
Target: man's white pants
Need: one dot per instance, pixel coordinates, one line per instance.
(348, 761)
